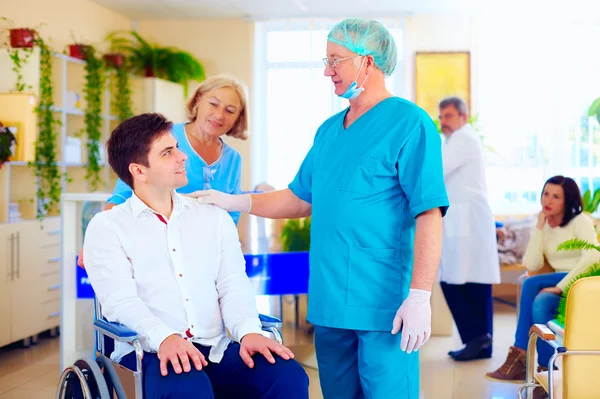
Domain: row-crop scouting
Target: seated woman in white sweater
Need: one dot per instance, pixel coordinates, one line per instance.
(561, 219)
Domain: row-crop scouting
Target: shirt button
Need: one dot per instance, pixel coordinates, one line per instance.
(173, 249)
(180, 275)
(186, 299)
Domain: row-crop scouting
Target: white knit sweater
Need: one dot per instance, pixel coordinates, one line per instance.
(543, 242)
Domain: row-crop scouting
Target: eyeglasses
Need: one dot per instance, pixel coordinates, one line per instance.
(333, 62)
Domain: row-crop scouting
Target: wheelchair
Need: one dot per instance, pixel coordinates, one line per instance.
(102, 378)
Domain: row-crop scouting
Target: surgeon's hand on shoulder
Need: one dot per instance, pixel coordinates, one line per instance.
(229, 202)
(179, 352)
(414, 318)
(253, 343)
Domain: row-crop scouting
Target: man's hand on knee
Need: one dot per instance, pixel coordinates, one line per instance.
(251, 344)
(179, 351)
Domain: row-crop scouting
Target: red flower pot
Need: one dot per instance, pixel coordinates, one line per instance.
(79, 51)
(149, 72)
(114, 60)
(22, 38)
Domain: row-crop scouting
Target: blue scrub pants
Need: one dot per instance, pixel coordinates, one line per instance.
(228, 379)
(365, 365)
(537, 308)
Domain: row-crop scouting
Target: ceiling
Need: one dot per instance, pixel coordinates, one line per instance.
(266, 9)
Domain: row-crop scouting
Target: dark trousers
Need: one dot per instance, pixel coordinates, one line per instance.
(230, 378)
(472, 309)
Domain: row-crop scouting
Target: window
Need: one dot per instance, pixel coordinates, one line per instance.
(534, 88)
(293, 97)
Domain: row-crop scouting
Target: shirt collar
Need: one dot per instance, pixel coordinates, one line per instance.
(138, 206)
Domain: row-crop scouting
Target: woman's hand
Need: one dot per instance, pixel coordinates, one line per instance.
(541, 220)
(552, 290)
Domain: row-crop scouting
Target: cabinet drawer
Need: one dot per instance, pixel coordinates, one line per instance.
(50, 315)
(50, 288)
(48, 260)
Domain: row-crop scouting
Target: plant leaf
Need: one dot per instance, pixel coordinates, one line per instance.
(594, 108)
(577, 244)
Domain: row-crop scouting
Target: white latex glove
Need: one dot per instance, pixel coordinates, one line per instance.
(414, 316)
(229, 202)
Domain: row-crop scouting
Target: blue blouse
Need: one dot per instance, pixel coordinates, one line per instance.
(224, 175)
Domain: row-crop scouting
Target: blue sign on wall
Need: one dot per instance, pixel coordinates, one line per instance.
(84, 288)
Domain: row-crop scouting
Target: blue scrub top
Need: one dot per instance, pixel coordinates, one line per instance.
(367, 184)
(223, 175)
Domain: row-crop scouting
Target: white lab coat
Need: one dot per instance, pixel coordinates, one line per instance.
(469, 249)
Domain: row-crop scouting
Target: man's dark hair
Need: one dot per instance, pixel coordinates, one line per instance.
(130, 142)
(458, 103)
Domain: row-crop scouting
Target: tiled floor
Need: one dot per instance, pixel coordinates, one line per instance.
(33, 373)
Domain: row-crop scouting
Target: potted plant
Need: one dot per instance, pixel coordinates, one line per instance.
(20, 47)
(295, 235)
(591, 202)
(151, 60)
(594, 270)
(113, 60)
(7, 144)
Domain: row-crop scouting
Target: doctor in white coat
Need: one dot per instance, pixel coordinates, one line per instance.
(469, 264)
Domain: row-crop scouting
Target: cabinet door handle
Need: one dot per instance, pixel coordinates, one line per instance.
(54, 314)
(12, 256)
(18, 254)
(54, 260)
(54, 287)
(54, 232)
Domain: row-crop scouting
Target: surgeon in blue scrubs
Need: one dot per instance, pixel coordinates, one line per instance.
(373, 182)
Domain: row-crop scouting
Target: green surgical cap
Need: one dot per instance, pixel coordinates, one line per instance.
(365, 37)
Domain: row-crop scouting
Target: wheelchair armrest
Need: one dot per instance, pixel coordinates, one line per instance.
(116, 331)
(269, 321)
(543, 332)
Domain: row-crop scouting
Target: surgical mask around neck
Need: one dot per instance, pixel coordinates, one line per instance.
(353, 90)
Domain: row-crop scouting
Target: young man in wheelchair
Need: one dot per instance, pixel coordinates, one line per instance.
(172, 269)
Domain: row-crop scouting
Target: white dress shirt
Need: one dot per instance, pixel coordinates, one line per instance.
(162, 278)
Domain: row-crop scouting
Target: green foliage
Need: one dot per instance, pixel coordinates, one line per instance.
(147, 59)
(594, 109)
(19, 58)
(577, 244)
(594, 270)
(95, 79)
(6, 141)
(45, 166)
(295, 235)
(121, 103)
(590, 203)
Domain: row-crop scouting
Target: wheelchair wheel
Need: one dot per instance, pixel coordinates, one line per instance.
(83, 380)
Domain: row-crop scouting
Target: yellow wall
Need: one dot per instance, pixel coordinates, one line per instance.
(88, 21)
(223, 46)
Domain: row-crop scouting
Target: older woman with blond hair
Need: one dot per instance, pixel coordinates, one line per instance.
(216, 108)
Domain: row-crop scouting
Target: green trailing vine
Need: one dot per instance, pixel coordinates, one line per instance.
(19, 58)
(95, 79)
(121, 98)
(45, 165)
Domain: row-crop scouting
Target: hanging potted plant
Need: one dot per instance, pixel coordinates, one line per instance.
(95, 79)
(151, 60)
(20, 47)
